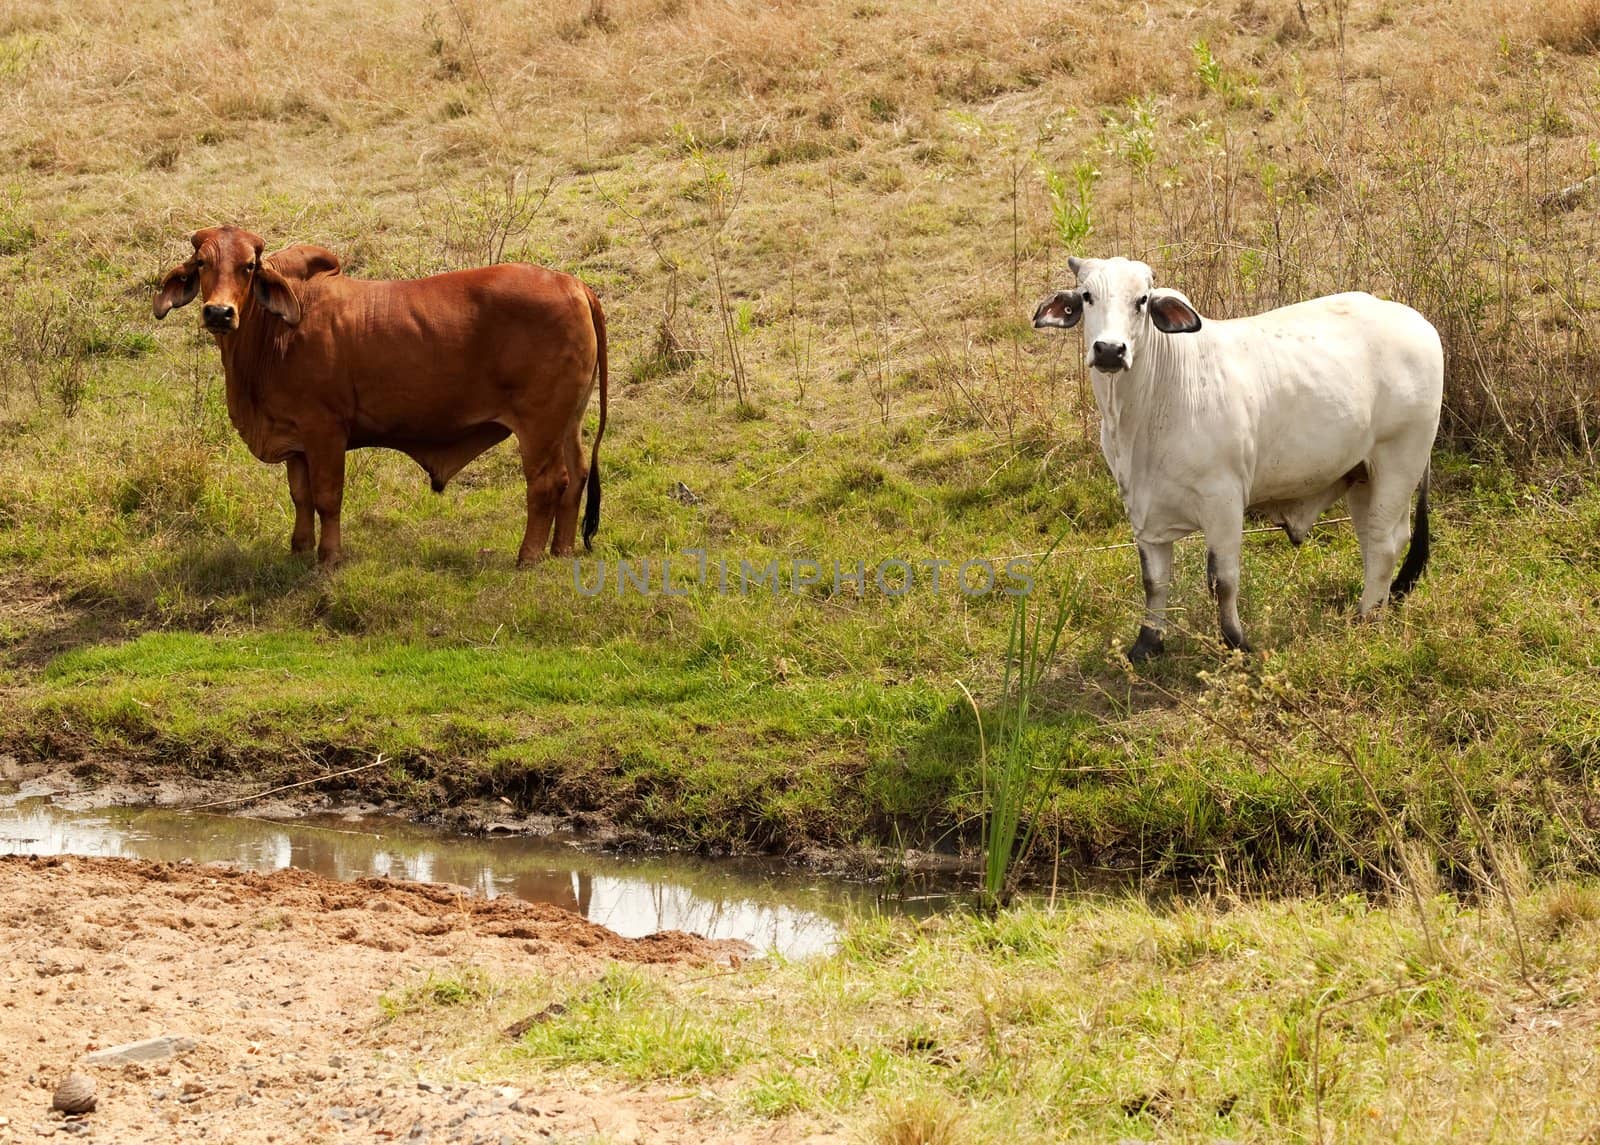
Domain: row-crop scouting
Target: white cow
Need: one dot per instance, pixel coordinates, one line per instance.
(1283, 412)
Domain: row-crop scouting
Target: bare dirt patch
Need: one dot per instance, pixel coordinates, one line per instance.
(277, 978)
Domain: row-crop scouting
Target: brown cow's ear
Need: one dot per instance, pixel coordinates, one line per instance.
(273, 291)
(321, 260)
(302, 260)
(178, 288)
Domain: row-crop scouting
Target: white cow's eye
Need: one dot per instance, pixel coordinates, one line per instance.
(1138, 303)
(1088, 299)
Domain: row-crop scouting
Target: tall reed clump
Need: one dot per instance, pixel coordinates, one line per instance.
(1015, 782)
(720, 191)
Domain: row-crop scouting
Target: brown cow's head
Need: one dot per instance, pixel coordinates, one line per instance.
(226, 271)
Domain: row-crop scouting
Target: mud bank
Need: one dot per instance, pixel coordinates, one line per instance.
(278, 979)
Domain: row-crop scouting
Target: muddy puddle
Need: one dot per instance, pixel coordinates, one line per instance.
(761, 902)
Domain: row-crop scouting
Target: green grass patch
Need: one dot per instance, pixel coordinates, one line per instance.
(1108, 1019)
(468, 987)
(627, 1023)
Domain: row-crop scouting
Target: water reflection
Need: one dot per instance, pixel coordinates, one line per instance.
(751, 900)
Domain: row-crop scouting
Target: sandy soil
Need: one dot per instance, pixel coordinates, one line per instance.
(277, 978)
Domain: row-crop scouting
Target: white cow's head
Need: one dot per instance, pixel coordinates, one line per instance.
(1119, 306)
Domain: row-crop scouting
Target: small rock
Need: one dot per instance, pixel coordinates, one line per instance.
(75, 1094)
(430, 1086)
(54, 963)
(151, 1049)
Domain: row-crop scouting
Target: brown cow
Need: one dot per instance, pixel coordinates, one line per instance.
(439, 368)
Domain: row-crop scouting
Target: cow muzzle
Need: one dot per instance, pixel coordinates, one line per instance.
(220, 319)
(1109, 357)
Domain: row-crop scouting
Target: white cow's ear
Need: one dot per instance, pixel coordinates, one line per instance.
(1061, 310)
(1172, 314)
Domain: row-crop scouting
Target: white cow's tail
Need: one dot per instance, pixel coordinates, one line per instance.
(1417, 553)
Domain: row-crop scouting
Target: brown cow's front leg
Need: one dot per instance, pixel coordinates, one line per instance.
(304, 537)
(325, 460)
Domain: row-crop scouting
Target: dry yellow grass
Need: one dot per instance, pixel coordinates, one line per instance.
(883, 153)
(1566, 25)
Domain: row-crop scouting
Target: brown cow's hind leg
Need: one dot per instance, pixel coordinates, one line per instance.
(545, 474)
(572, 496)
(304, 537)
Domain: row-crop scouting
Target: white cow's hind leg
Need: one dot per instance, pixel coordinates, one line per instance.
(1378, 510)
(1155, 568)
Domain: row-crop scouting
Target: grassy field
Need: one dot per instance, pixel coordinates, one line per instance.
(1106, 1021)
(818, 229)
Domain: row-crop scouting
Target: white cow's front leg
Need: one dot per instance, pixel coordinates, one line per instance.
(1224, 531)
(1155, 567)
(1222, 570)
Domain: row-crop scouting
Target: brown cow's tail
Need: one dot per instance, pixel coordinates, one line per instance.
(591, 510)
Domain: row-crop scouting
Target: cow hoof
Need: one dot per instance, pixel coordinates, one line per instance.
(524, 562)
(327, 562)
(1147, 647)
(1233, 636)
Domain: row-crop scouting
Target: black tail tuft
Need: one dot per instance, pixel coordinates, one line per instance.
(1417, 553)
(591, 508)
(591, 511)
